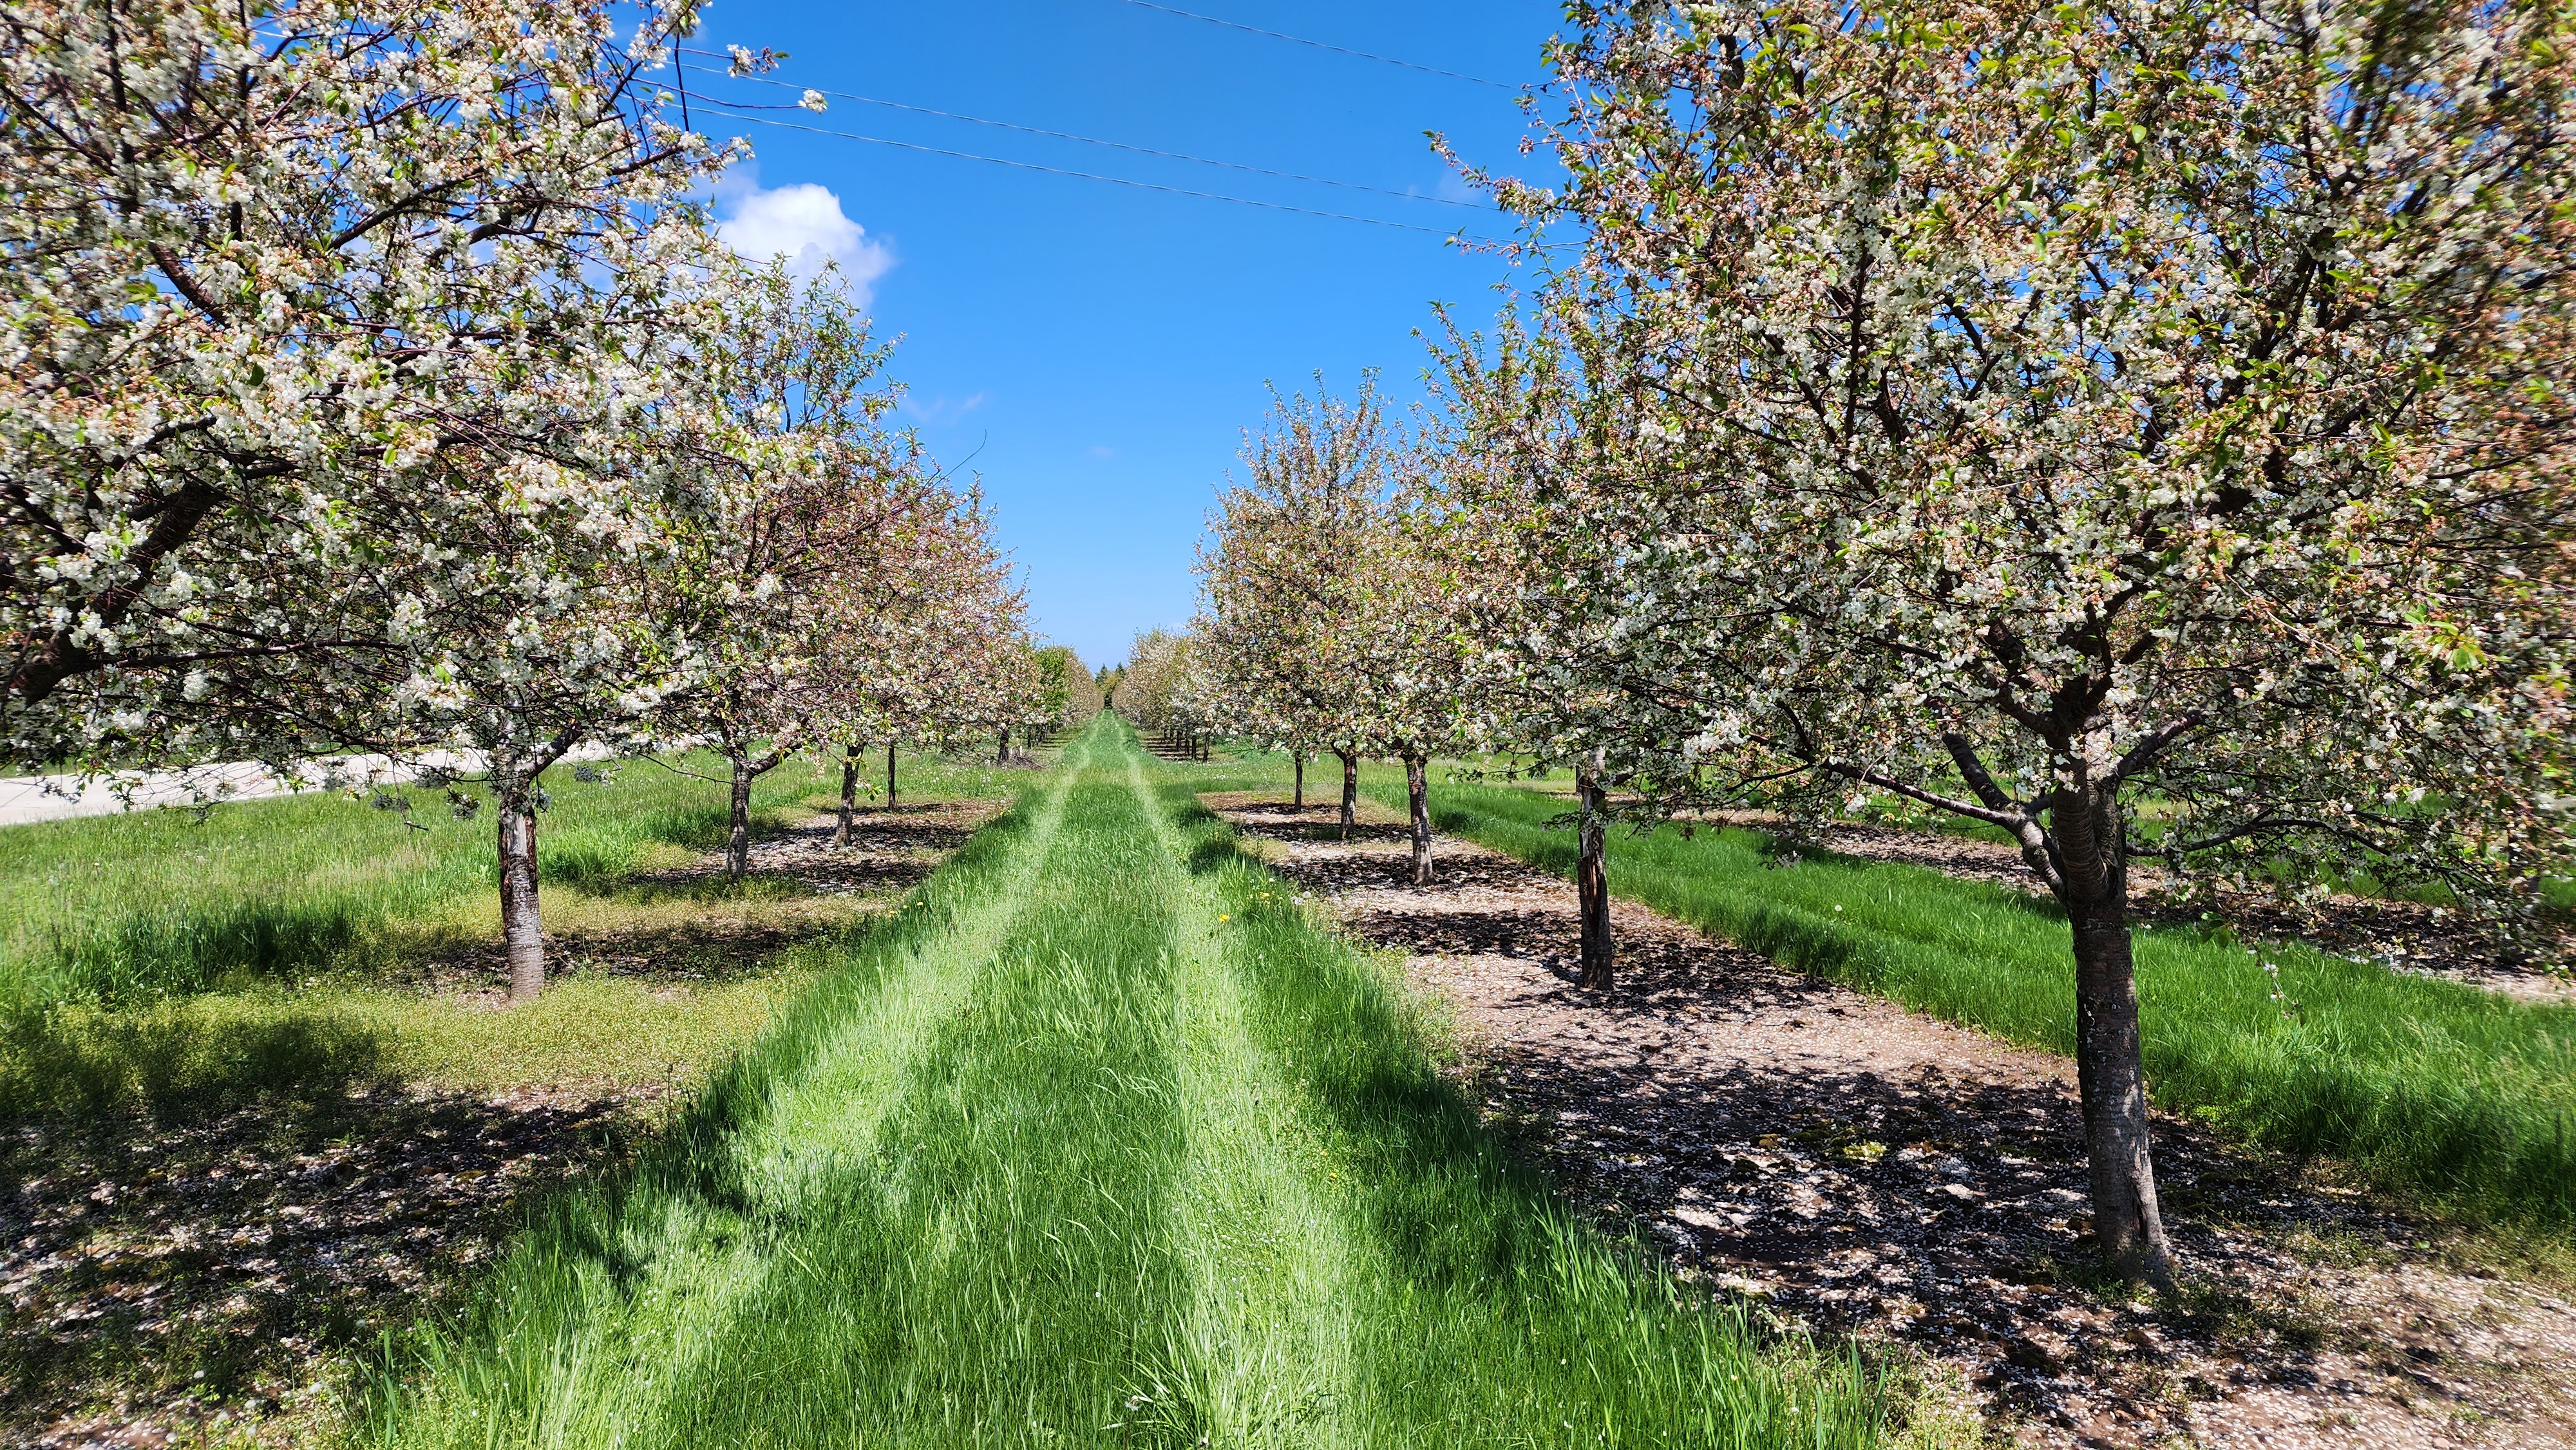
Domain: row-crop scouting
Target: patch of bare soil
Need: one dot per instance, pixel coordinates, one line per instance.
(1868, 1171)
(889, 851)
(2407, 936)
(165, 1278)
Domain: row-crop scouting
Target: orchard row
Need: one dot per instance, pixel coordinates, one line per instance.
(2140, 427)
(375, 379)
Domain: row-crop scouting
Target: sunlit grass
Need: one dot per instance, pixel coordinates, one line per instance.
(1100, 1141)
(203, 1053)
(158, 902)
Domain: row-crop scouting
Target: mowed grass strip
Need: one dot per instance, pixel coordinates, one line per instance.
(619, 1317)
(1102, 1143)
(2459, 1095)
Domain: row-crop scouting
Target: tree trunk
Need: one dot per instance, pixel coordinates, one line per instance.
(1297, 801)
(889, 775)
(738, 838)
(1592, 883)
(1350, 792)
(521, 929)
(1002, 752)
(1415, 787)
(2111, 1076)
(849, 794)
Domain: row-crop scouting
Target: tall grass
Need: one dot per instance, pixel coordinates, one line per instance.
(1097, 1142)
(1485, 1315)
(155, 903)
(2445, 1090)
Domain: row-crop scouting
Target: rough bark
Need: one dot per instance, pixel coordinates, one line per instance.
(1350, 792)
(738, 837)
(849, 794)
(889, 775)
(1592, 883)
(1002, 752)
(522, 931)
(1297, 802)
(2110, 1073)
(1420, 791)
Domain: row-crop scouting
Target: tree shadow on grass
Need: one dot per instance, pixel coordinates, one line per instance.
(199, 1212)
(84, 1064)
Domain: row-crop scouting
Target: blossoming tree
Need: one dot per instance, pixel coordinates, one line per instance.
(2024, 411)
(824, 514)
(1065, 697)
(912, 660)
(303, 303)
(1154, 686)
(1282, 581)
(349, 395)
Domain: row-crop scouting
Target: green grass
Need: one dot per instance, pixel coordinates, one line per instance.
(265, 955)
(189, 1056)
(1098, 1141)
(156, 903)
(2447, 1092)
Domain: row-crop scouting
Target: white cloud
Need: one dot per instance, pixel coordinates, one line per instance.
(940, 411)
(1453, 187)
(804, 223)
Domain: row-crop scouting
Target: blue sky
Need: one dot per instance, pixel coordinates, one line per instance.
(1094, 351)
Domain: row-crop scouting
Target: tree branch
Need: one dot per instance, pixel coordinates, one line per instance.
(2145, 751)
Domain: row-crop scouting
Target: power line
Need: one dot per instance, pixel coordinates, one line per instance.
(1320, 45)
(1082, 175)
(1086, 140)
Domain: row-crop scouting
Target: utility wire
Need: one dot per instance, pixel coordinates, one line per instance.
(1320, 45)
(1085, 140)
(1082, 175)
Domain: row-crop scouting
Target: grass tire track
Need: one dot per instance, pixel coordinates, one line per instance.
(1102, 1142)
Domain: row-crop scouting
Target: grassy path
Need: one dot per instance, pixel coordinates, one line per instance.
(1100, 1142)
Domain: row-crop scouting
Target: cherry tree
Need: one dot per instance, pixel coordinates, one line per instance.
(2019, 412)
(1530, 576)
(1152, 684)
(824, 514)
(303, 304)
(1405, 635)
(910, 661)
(1166, 687)
(1066, 694)
(1284, 577)
(591, 661)
(1016, 692)
(1328, 604)
(351, 395)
